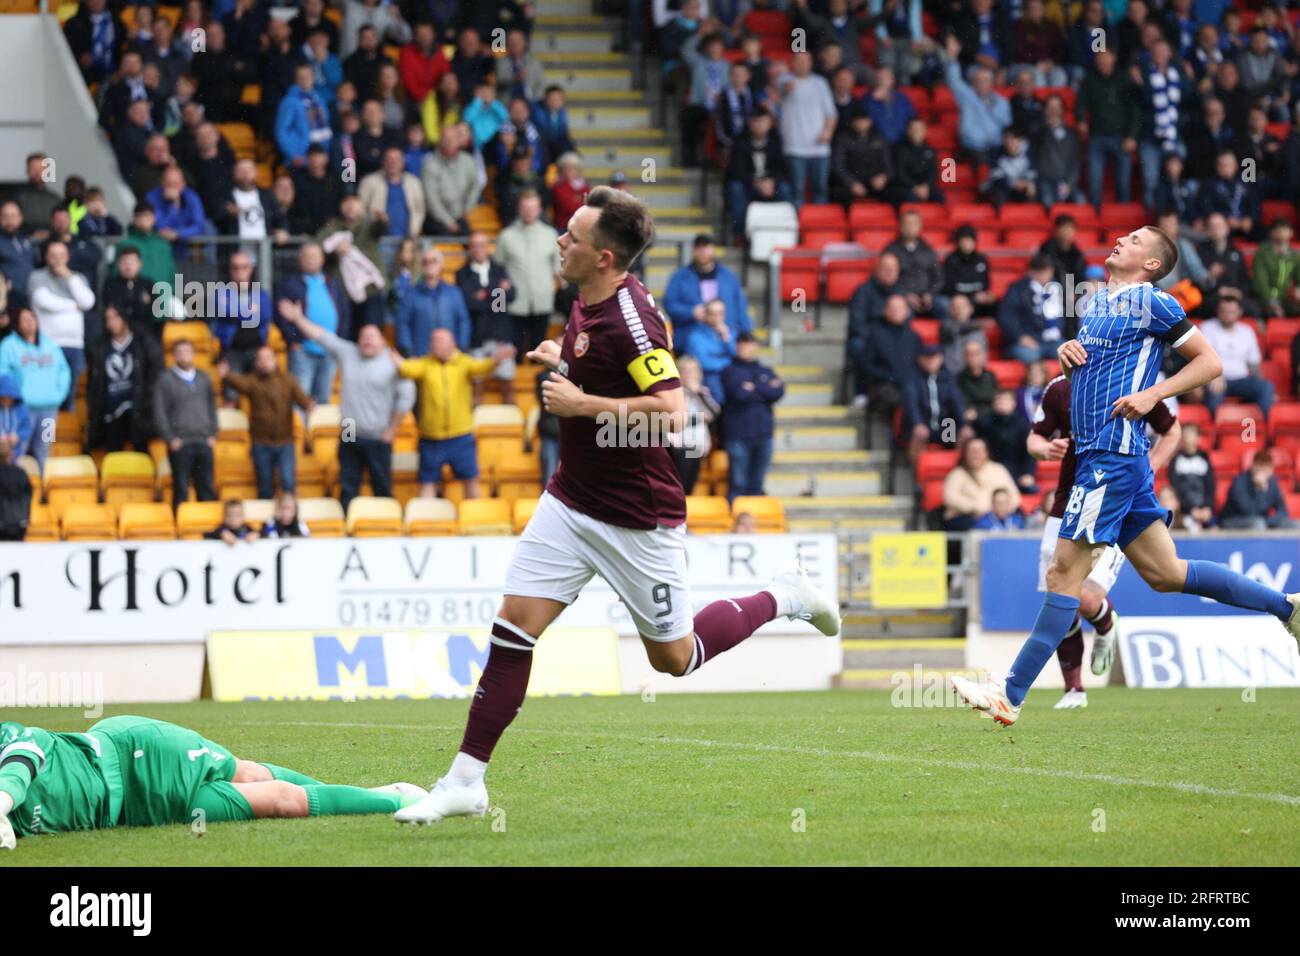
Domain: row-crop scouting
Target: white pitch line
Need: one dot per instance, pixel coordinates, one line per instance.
(869, 755)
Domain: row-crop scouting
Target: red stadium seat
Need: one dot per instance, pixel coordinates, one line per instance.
(874, 239)
(767, 23)
(971, 214)
(1023, 238)
(932, 495)
(1000, 280)
(932, 213)
(1272, 209)
(920, 97)
(1030, 501)
(934, 464)
(1198, 415)
(993, 333)
(1240, 419)
(943, 139)
(822, 216)
(1225, 463)
(927, 329)
(844, 276)
(1118, 218)
(873, 215)
(818, 238)
(1049, 473)
(1279, 373)
(1292, 502)
(1022, 214)
(1010, 373)
(1221, 489)
(800, 275)
(1279, 333)
(943, 100)
(1284, 420)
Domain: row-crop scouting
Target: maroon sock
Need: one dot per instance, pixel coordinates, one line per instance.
(500, 691)
(723, 624)
(1104, 619)
(1070, 653)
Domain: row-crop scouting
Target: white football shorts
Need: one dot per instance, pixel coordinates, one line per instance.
(561, 549)
(1104, 572)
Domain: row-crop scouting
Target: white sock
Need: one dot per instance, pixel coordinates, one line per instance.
(786, 602)
(468, 769)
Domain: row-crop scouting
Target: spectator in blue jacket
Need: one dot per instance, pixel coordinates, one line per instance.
(327, 73)
(320, 299)
(702, 281)
(551, 117)
(15, 417)
(890, 110)
(712, 345)
(934, 409)
(242, 321)
(1255, 499)
(750, 390)
(302, 119)
(178, 209)
(1003, 517)
(431, 304)
(982, 113)
(485, 115)
(44, 375)
(1031, 314)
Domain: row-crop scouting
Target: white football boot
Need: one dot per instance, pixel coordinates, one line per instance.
(450, 797)
(1073, 700)
(1293, 622)
(409, 792)
(988, 696)
(1103, 646)
(805, 601)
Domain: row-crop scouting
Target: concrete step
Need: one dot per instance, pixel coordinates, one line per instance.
(628, 157)
(813, 349)
(843, 507)
(841, 525)
(586, 98)
(569, 7)
(570, 40)
(833, 438)
(597, 136)
(608, 117)
(588, 78)
(804, 394)
(551, 21)
(794, 374)
(794, 415)
(844, 460)
(867, 624)
(837, 483)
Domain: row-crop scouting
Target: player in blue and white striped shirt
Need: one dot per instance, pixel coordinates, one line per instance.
(1114, 362)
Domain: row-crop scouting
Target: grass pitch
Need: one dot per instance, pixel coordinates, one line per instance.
(841, 777)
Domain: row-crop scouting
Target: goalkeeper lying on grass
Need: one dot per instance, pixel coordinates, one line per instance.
(134, 771)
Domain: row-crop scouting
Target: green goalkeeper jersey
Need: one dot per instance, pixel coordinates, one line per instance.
(58, 781)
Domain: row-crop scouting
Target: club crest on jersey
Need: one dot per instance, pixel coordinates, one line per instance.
(581, 344)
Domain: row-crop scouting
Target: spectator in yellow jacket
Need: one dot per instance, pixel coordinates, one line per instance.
(445, 379)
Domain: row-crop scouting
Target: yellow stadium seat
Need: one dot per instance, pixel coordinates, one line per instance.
(427, 517)
(258, 511)
(498, 421)
(29, 464)
(408, 434)
(406, 466)
(484, 516)
(198, 333)
(67, 428)
(324, 426)
(323, 516)
(707, 515)
(233, 471)
(374, 517)
(517, 474)
(139, 521)
(127, 476)
(241, 139)
(43, 524)
(232, 427)
(89, 522)
(311, 477)
(71, 480)
(194, 519)
(523, 513)
(768, 512)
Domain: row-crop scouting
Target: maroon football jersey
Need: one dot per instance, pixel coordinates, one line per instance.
(1053, 421)
(618, 348)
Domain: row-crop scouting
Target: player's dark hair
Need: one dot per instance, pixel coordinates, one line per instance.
(624, 226)
(1166, 252)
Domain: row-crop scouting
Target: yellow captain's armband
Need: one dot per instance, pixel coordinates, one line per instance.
(655, 366)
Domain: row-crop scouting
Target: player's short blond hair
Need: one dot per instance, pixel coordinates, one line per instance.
(1166, 252)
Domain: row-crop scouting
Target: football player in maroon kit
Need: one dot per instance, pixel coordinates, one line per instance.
(611, 508)
(1051, 440)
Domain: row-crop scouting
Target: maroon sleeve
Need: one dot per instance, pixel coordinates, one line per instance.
(1047, 422)
(1160, 418)
(646, 333)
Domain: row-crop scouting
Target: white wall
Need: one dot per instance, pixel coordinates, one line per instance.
(45, 106)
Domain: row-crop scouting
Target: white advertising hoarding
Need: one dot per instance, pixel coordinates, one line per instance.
(178, 591)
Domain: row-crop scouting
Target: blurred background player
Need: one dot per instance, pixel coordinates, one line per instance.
(1050, 440)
